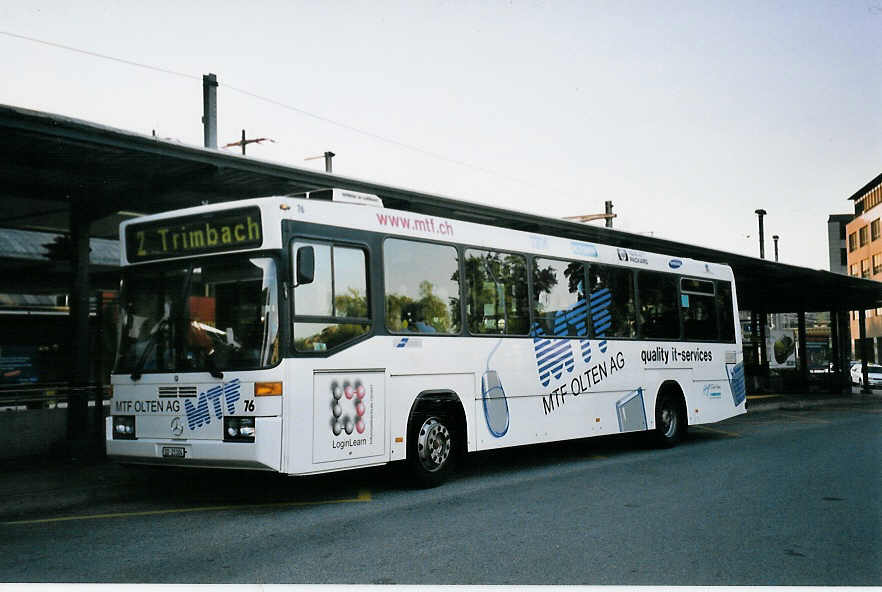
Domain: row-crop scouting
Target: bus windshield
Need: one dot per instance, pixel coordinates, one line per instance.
(205, 316)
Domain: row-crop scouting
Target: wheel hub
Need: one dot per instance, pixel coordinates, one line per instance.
(669, 421)
(433, 444)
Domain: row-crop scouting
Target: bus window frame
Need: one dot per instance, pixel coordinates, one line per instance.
(293, 318)
(633, 271)
(736, 322)
(280, 259)
(531, 259)
(716, 308)
(460, 266)
(641, 322)
(529, 277)
(372, 243)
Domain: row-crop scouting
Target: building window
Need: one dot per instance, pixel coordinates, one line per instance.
(877, 263)
(852, 242)
(865, 268)
(862, 234)
(874, 229)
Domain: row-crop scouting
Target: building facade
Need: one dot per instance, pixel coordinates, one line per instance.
(864, 259)
(837, 243)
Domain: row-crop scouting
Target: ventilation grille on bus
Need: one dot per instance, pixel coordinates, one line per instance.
(177, 391)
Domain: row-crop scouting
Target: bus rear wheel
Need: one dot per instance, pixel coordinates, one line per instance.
(670, 421)
(432, 449)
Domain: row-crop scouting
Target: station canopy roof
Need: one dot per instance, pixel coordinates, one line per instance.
(50, 163)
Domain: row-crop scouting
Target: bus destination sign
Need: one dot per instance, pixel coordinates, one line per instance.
(227, 230)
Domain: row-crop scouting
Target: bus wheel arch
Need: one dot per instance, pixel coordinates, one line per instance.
(671, 417)
(436, 436)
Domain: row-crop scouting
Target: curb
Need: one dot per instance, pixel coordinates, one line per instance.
(793, 403)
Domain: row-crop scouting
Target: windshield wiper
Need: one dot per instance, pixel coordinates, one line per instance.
(148, 349)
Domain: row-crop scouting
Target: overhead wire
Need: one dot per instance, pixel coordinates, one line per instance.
(279, 104)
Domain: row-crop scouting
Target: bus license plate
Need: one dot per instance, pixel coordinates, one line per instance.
(174, 452)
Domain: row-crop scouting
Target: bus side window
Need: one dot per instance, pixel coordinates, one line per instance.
(611, 301)
(726, 316)
(315, 299)
(559, 305)
(659, 310)
(333, 308)
(497, 293)
(422, 287)
(698, 310)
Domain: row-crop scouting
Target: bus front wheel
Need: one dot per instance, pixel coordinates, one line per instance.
(432, 448)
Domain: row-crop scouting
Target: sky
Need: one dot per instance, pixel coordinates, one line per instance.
(687, 115)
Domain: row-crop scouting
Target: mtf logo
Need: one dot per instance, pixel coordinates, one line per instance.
(199, 415)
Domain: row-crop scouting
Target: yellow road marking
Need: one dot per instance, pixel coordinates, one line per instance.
(753, 397)
(715, 430)
(805, 419)
(363, 496)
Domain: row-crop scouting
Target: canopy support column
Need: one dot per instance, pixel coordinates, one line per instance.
(835, 354)
(803, 350)
(78, 399)
(862, 329)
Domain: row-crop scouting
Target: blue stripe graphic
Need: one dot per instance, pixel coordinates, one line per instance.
(585, 346)
(552, 355)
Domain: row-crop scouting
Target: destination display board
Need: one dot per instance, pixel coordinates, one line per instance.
(228, 230)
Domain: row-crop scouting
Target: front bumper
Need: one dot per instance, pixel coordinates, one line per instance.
(262, 454)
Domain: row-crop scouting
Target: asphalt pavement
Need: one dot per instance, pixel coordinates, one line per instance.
(51, 486)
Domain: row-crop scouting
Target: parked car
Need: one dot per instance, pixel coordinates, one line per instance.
(874, 375)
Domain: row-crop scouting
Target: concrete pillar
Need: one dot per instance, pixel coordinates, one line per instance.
(803, 349)
(752, 369)
(764, 354)
(862, 329)
(78, 402)
(835, 354)
(754, 339)
(844, 317)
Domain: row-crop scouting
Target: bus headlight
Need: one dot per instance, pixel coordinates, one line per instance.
(238, 429)
(123, 427)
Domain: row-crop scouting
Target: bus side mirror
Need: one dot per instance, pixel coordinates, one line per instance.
(305, 266)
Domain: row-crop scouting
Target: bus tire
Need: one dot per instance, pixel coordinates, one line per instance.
(432, 448)
(670, 420)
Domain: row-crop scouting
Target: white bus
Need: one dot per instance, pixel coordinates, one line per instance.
(326, 332)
